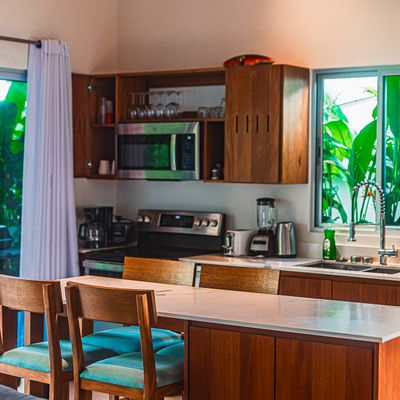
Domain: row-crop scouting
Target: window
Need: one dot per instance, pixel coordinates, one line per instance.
(358, 138)
(13, 90)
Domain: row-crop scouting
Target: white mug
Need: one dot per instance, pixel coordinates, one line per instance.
(104, 167)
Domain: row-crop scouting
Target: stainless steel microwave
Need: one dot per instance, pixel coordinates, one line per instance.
(160, 151)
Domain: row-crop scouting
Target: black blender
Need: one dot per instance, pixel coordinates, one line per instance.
(263, 242)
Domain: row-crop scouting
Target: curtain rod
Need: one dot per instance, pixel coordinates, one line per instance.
(37, 43)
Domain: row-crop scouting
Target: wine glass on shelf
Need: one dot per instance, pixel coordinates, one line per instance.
(151, 108)
(133, 108)
(179, 104)
(171, 108)
(160, 111)
(142, 107)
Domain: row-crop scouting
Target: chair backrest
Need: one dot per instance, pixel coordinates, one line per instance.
(125, 306)
(26, 294)
(108, 304)
(160, 271)
(36, 297)
(245, 279)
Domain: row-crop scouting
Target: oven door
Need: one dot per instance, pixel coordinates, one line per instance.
(159, 151)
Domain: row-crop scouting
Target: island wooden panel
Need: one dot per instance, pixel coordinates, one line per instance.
(229, 365)
(315, 371)
(303, 286)
(364, 293)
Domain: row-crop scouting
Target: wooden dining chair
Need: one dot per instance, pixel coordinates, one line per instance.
(160, 271)
(148, 374)
(39, 362)
(48, 362)
(126, 339)
(244, 279)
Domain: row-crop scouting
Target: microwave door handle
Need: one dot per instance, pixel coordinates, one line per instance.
(173, 152)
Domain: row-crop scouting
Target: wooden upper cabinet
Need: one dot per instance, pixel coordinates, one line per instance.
(92, 142)
(266, 137)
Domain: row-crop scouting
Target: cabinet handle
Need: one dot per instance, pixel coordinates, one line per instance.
(237, 123)
(268, 123)
(89, 164)
(247, 124)
(257, 123)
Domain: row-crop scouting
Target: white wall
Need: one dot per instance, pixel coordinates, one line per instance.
(89, 26)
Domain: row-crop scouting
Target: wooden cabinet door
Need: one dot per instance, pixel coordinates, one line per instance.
(364, 293)
(227, 365)
(305, 287)
(265, 132)
(238, 150)
(321, 371)
(80, 123)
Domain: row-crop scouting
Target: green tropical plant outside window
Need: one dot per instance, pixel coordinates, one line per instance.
(12, 129)
(359, 138)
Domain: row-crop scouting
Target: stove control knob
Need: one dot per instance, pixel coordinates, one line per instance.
(147, 219)
(139, 219)
(197, 222)
(205, 222)
(213, 223)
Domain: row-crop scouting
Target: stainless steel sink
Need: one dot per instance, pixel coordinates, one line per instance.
(383, 270)
(339, 266)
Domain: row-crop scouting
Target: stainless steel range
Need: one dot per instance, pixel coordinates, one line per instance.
(163, 234)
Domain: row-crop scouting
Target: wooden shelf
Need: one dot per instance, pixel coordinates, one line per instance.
(183, 119)
(103, 126)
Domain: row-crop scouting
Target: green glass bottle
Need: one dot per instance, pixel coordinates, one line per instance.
(329, 245)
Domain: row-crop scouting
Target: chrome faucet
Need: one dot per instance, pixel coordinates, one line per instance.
(382, 252)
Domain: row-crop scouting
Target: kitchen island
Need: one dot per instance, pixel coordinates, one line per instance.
(242, 345)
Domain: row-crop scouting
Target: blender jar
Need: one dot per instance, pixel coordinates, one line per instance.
(266, 214)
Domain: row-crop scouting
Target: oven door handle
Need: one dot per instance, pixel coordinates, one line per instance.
(173, 152)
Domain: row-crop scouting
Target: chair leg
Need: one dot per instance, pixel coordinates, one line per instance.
(81, 394)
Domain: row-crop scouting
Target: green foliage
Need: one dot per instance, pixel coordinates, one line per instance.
(349, 157)
(12, 129)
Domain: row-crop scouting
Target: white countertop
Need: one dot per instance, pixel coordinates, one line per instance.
(336, 319)
(290, 265)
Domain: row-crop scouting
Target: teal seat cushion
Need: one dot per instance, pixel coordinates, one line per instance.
(126, 339)
(36, 356)
(127, 369)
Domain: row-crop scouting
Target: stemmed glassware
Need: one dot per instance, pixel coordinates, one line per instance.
(155, 105)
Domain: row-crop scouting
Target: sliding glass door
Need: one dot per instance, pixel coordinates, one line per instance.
(13, 91)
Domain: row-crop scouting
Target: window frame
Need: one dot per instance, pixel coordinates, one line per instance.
(381, 72)
(19, 75)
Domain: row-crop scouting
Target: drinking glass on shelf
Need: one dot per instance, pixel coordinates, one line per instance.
(152, 105)
(142, 113)
(202, 112)
(160, 110)
(171, 109)
(222, 105)
(180, 104)
(133, 108)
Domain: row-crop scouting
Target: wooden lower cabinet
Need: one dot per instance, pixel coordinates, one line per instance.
(302, 286)
(364, 293)
(228, 365)
(235, 363)
(322, 371)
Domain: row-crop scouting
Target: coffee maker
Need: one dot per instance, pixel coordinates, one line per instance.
(263, 242)
(96, 231)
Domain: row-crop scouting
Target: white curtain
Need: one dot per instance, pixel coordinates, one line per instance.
(49, 241)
